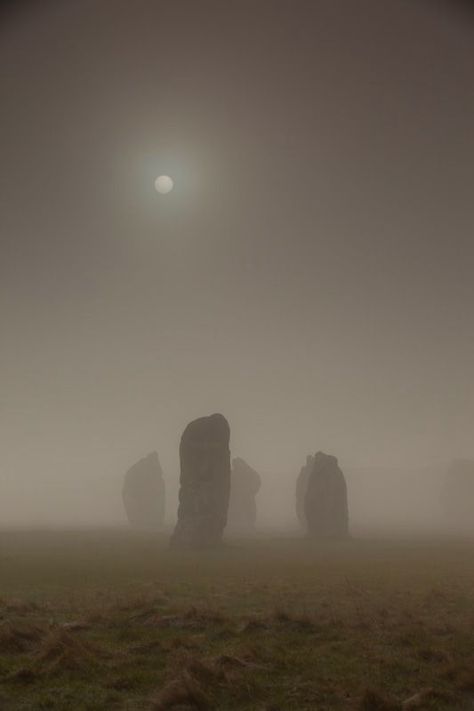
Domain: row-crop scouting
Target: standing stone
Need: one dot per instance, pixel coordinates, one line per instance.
(325, 504)
(143, 493)
(204, 483)
(245, 483)
(301, 488)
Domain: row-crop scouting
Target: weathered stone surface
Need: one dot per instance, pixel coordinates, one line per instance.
(325, 503)
(301, 488)
(244, 485)
(204, 482)
(458, 494)
(143, 493)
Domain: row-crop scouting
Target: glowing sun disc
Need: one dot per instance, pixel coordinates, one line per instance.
(164, 184)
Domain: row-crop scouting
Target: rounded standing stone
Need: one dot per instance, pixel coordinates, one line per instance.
(325, 501)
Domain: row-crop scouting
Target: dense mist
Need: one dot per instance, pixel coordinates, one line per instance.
(310, 275)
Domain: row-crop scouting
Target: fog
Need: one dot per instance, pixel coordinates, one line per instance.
(310, 275)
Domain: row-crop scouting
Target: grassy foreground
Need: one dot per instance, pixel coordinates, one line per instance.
(114, 620)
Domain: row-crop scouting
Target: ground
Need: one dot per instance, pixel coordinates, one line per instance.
(114, 620)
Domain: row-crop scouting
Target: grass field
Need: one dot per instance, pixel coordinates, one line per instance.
(114, 620)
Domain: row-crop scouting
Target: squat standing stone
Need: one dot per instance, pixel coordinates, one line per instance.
(325, 503)
(204, 483)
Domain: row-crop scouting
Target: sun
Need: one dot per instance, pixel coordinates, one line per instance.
(164, 184)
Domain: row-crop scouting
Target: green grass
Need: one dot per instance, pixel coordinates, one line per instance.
(114, 620)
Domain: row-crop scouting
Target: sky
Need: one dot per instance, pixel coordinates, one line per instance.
(310, 276)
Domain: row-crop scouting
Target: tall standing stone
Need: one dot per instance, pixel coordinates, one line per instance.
(244, 485)
(204, 482)
(325, 504)
(143, 493)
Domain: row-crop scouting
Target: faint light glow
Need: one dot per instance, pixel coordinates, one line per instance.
(164, 184)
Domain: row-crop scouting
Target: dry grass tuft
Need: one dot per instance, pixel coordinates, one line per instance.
(183, 691)
(375, 701)
(205, 615)
(418, 700)
(254, 624)
(193, 618)
(203, 671)
(280, 615)
(199, 679)
(63, 651)
(301, 622)
(226, 661)
(465, 680)
(18, 638)
(152, 647)
(19, 607)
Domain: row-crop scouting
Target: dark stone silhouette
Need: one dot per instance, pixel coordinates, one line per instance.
(204, 483)
(325, 504)
(143, 493)
(301, 488)
(458, 494)
(244, 485)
